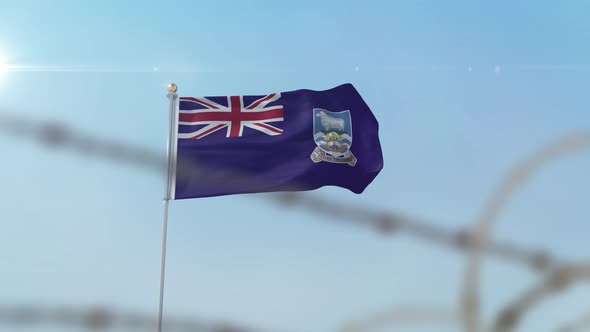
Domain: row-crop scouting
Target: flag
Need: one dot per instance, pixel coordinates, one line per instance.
(289, 141)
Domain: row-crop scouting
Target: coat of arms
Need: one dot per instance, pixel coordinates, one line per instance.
(332, 132)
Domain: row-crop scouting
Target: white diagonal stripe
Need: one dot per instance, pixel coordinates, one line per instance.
(266, 102)
(198, 132)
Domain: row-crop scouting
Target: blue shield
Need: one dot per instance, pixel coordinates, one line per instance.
(332, 131)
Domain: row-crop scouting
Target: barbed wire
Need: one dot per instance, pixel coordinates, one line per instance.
(470, 301)
(474, 241)
(55, 134)
(59, 135)
(554, 282)
(483, 225)
(102, 319)
(389, 223)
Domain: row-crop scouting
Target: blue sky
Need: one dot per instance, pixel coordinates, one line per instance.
(462, 91)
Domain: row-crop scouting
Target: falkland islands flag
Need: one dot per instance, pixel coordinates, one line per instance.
(289, 141)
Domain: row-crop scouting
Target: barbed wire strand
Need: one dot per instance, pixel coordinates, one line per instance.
(515, 179)
(403, 315)
(389, 223)
(102, 318)
(555, 282)
(56, 134)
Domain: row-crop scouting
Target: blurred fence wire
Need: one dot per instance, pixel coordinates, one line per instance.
(484, 224)
(103, 319)
(59, 135)
(553, 283)
(556, 273)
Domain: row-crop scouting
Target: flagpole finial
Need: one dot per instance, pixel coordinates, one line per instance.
(172, 88)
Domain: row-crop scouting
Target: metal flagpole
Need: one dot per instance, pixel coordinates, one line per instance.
(170, 163)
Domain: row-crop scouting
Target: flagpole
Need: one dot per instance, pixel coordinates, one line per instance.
(172, 96)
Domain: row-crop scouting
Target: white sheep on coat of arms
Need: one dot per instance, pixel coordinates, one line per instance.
(329, 122)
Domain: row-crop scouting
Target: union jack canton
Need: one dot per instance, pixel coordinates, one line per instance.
(231, 113)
